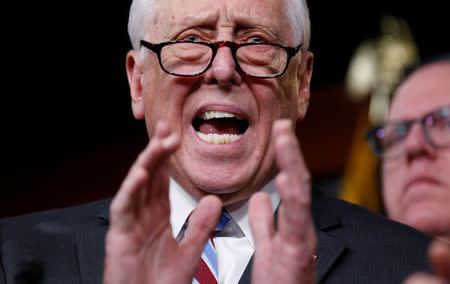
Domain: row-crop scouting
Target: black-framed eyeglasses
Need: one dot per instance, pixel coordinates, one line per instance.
(387, 141)
(189, 59)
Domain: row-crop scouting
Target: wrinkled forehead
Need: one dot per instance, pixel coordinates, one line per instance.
(424, 91)
(175, 16)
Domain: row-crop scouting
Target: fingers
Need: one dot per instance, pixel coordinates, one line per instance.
(162, 144)
(288, 155)
(201, 223)
(293, 184)
(149, 166)
(261, 219)
(294, 240)
(423, 278)
(439, 257)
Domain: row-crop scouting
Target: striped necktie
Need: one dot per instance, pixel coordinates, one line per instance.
(208, 272)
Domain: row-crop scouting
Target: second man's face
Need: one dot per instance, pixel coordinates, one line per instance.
(416, 188)
(222, 102)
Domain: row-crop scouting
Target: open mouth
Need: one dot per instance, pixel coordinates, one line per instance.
(218, 127)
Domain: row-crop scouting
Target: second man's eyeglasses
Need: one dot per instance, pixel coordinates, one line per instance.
(388, 140)
(189, 59)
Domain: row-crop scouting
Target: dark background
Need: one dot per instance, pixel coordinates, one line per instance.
(67, 132)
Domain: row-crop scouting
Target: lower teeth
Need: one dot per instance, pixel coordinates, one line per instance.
(215, 138)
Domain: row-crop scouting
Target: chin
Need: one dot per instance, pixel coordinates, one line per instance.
(425, 218)
(228, 186)
(219, 182)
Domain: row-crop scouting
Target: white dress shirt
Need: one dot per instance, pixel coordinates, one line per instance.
(233, 253)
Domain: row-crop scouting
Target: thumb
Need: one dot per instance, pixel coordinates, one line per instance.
(439, 257)
(261, 218)
(201, 223)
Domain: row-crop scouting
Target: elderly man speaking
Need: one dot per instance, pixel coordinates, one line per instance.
(221, 193)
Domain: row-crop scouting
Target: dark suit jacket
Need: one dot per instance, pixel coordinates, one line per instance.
(354, 245)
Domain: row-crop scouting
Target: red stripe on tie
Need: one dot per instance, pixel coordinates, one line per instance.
(204, 275)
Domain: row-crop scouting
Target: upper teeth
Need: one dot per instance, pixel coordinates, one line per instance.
(217, 114)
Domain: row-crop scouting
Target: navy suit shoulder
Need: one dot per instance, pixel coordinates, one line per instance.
(70, 217)
(50, 241)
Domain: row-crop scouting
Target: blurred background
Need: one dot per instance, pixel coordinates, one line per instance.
(68, 135)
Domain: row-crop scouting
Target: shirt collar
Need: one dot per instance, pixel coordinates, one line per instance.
(182, 204)
(239, 210)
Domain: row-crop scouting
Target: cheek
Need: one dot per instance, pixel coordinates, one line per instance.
(275, 103)
(392, 186)
(280, 97)
(444, 166)
(164, 101)
(288, 90)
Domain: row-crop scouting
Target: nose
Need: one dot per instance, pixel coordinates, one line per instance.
(223, 69)
(417, 144)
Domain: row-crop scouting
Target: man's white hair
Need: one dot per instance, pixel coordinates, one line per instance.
(144, 12)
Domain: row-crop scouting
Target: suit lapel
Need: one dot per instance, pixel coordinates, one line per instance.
(326, 220)
(329, 248)
(90, 242)
(245, 278)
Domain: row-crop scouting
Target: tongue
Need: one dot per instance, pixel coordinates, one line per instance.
(219, 126)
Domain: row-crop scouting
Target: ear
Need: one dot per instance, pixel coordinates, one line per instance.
(304, 75)
(134, 74)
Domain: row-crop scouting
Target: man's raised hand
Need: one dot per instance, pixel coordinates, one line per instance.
(140, 247)
(285, 255)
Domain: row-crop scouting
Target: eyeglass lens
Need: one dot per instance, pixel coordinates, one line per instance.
(390, 139)
(261, 60)
(186, 58)
(438, 127)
